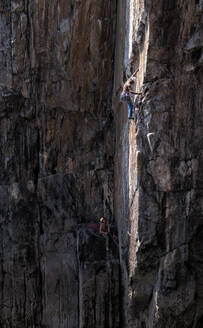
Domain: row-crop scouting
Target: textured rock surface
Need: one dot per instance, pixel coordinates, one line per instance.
(56, 164)
(60, 168)
(158, 177)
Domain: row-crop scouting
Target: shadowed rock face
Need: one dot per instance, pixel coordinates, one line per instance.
(159, 160)
(56, 164)
(60, 169)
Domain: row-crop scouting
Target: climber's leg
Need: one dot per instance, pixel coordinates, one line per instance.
(130, 109)
(126, 98)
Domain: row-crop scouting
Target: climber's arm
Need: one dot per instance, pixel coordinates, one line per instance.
(135, 72)
(134, 93)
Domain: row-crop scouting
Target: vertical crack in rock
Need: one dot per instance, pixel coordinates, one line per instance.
(69, 155)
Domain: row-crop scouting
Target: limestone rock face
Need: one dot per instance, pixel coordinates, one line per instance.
(69, 155)
(159, 161)
(56, 164)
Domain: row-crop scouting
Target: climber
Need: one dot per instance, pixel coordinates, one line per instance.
(127, 90)
(104, 229)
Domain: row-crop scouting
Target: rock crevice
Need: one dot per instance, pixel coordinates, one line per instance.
(69, 155)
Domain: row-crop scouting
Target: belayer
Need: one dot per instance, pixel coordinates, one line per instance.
(104, 229)
(127, 90)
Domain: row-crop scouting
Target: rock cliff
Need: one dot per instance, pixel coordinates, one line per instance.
(158, 163)
(57, 147)
(69, 155)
